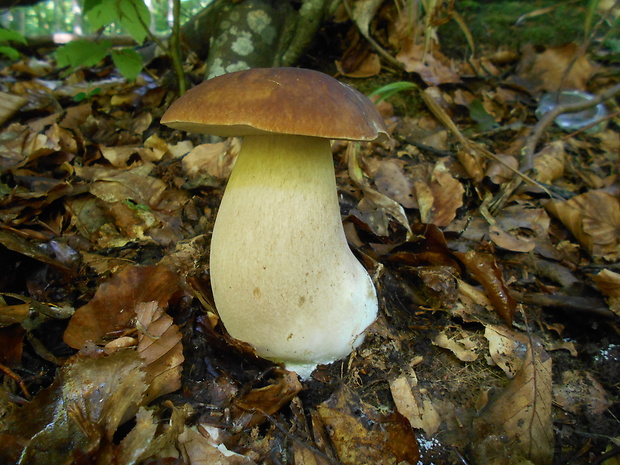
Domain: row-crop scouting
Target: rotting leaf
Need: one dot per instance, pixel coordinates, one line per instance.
(78, 415)
(484, 270)
(579, 392)
(518, 423)
(360, 435)
(113, 307)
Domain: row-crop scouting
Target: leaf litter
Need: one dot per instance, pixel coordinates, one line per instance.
(498, 335)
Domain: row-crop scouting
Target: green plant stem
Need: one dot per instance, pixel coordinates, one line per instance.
(174, 50)
(175, 47)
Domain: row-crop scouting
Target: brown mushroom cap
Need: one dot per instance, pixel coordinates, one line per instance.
(277, 100)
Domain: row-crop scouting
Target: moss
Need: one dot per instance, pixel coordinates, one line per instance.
(493, 24)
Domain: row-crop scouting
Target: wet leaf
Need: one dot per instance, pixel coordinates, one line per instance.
(484, 270)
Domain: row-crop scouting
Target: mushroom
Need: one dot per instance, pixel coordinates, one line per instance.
(283, 276)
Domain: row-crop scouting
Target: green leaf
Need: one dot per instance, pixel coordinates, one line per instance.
(128, 62)
(388, 90)
(478, 113)
(100, 13)
(131, 15)
(11, 36)
(134, 16)
(9, 52)
(82, 53)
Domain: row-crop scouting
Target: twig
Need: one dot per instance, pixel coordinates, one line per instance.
(15, 377)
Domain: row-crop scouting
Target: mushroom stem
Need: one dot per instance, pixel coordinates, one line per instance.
(283, 276)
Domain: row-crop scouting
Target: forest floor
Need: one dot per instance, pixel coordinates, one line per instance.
(498, 339)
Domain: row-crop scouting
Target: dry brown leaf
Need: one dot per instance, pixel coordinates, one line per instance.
(594, 219)
(202, 450)
(216, 160)
(415, 404)
(391, 181)
(518, 423)
(438, 195)
(9, 105)
(159, 345)
(520, 228)
(547, 71)
(549, 162)
(433, 68)
(506, 348)
(608, 282)
(461, 345)
(368, 67)
(579, 392)
(113, 307)
(152, 437)
(255, 404)
(361, 436)
(376, 208)
(502, 168)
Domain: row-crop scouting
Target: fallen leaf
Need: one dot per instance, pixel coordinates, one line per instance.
(608, 282)
(518, 422)
(463, 347)
(484, 270)
(113, 307)
(78, 415)
(159, 345)
(361, 436)
(415, 404)
(506, 347)
(594, 219)
(579, 392)
(547, 70)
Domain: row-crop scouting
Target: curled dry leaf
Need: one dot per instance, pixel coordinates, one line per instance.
(203, 450)
(415, 404)
(518, 423)
(437, 193)
(549, 162)
(506, 347)
(463, 346)
(255, 404)
(520, 228)
(216, 160)
(111, 311)
(608, 282)
(433, 67)
(484, 270)
(594, 219)
(391, 181)
(159, 345)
